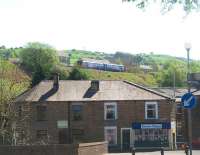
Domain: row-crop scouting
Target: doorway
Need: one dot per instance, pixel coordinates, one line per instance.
(63, 136)
(125, 139)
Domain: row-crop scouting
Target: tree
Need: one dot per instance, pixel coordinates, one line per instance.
(77, 74)
(39, 59)
(38, 76)
(195, 66)
(62, 71)
(165, 77)
(137, 59)
(12, 83)
(166, 5)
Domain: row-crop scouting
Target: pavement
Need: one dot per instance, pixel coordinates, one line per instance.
(157, 153)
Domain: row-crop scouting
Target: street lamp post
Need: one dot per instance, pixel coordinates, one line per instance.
(188, 47)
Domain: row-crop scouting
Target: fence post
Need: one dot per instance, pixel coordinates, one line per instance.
(133, 151)
(186, 149)
(162, 151)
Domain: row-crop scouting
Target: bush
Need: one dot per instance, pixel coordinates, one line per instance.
(77, 74)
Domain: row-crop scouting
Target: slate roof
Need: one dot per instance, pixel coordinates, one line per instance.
(70, 90)
(170, 91)
(179, 92)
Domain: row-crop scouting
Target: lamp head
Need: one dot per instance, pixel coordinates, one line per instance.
(187, 46)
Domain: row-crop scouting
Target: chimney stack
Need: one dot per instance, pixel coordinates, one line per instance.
(95, 85)
(56, 80)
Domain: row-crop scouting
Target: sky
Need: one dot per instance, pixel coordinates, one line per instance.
(99, 25)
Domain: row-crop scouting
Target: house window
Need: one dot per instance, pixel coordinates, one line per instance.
(111, 135)
(110, 111)
(151, 137)
(41, 134)
(41, 113)
(77, 112)
(151, 110)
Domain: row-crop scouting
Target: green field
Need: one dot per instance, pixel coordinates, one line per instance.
(139, 78)
(77, 54)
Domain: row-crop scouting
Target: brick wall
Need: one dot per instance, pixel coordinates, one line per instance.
(39, 150)
(98, 148)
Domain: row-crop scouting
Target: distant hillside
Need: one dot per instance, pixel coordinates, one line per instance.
(163, 68)
(146, 69)
(125, 58)
(77, 54)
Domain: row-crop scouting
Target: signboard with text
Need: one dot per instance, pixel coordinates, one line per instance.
(138, 125)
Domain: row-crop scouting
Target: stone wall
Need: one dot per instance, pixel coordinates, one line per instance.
(98, 148)
(91, 127)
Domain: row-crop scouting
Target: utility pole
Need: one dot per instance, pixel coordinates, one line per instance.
(174, 84)
(189, 121)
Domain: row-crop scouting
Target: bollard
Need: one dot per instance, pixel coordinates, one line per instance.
(187, 150)
(162, 151)
(133, 151)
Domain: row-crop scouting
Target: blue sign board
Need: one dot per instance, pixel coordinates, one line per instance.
(137, 125)
(188, 100)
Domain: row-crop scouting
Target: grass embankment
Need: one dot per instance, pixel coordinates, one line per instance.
(77, 54)
(139, 78)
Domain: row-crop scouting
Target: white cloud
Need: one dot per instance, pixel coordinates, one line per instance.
(104, 25)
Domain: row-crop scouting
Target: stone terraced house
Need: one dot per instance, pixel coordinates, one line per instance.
(123, 113)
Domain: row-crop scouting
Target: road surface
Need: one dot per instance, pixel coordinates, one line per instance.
(157, 153)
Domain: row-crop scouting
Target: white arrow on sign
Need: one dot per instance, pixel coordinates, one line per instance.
(187, 102)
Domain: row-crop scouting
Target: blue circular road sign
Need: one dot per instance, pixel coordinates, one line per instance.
(188, 100)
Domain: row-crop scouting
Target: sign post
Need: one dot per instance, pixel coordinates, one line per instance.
(188, 101)
(189, 122)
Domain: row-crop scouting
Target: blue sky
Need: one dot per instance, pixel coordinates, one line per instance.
(99, 25)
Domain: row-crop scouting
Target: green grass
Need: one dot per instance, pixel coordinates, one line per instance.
(139, 78)
(163, 59)
(77, 54)
(157, 58)
(144, 79)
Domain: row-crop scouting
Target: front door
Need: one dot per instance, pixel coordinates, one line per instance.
(63, 136)
(125, 133)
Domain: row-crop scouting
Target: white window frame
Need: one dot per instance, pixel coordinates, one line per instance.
(110, 128)
(105, 110)
(151, 103)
